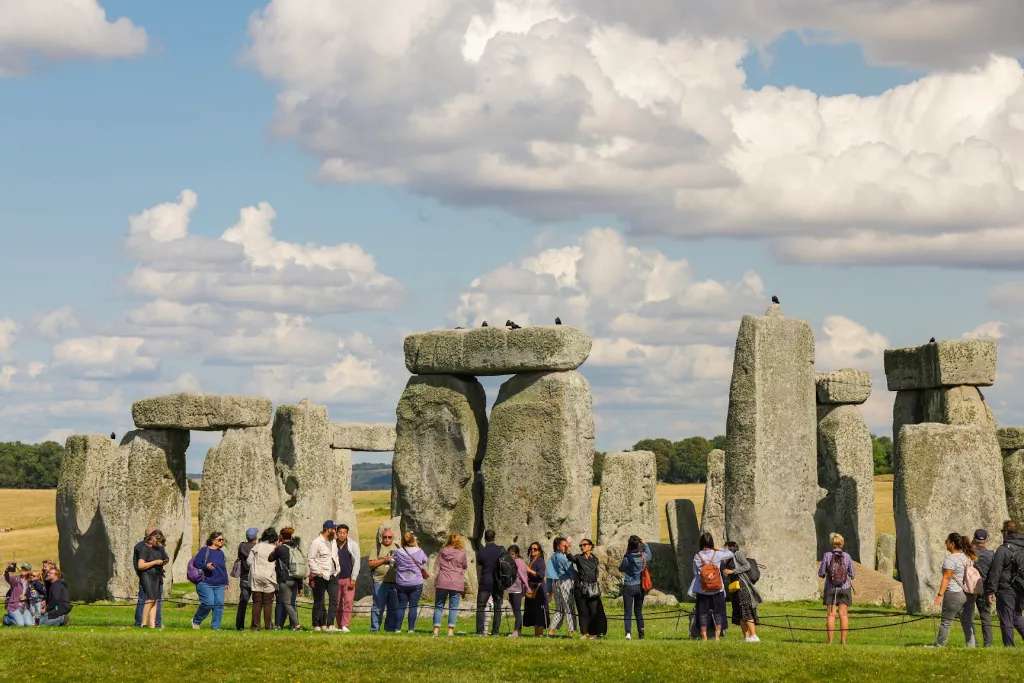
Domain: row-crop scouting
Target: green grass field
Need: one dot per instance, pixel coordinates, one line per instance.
(101, 645)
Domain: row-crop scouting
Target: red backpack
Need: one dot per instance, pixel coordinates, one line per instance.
(710, 575)
(837, 574)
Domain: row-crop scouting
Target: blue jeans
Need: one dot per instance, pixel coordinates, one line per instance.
(403, 597)
(211, 598)
(159, 608)
(55, 621)
(441, 596)
(20, 617)
(381, 592)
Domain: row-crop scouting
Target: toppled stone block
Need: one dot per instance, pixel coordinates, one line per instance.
(684, 537)
(843, 386)
(1010, 439)
(712, 514)
(538, 466)
(441, 435)
(941, 364)
(627, 503)
(948, 478)
(846, 473)
(363, 436)
(496, 350)
(885, 555)
(202, 412)
(1013, 478)
(771, 472)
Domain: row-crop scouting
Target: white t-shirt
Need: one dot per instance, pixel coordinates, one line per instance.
(957, 563)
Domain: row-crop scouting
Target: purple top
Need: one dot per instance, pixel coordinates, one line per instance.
(408, 563)
(823, 571)
(451, 569)
(15, 601)
(522, 578)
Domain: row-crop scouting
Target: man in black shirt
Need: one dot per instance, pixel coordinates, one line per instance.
(243, 578)
(136, 554)
(486, 566)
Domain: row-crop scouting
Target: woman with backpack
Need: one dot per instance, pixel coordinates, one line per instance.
(535, 613)
(263, 579)
(638, 556)
(410, 571)
(450, 569)
(953, 595)
(289, 578)
(213, 579)
(742, 572)
(837, 569)
(709, 586)
(517, 589)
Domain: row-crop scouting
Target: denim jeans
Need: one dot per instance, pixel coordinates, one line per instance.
(287, 595)
(211, 598)
(56, 621)
(452, 598)
(633, 607)
(954, 605)
(403, 598)
(159, 608)
(19, 617)
(381, 594)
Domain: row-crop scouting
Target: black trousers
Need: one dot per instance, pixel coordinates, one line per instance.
(323, 614)
(481, 606)
(516, 600)
(243, 604)
(1009, 605)
(588, 610)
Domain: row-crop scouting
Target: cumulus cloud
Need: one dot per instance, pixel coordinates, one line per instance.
(8, 330)
(101, 357)
(561, 109)
(57, 322)
(247, 267)
(52, 30)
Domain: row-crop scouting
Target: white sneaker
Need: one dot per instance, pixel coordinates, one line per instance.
(195, 626)
(752, 639)
(331, 628)
(629, 636)
(345, 629)
(317, 629)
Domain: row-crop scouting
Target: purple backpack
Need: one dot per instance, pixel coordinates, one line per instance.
(195, 572)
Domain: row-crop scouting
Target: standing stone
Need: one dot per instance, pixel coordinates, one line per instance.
(180, 567)
(712, 514)
(496, 350)
(83, 548)
(628, 500)
(885, 554)
(684, 537)
(202, 412)
(662, 566)
(344, 509)
(846, 473)
(1010, 439)
(771, 481)
(240, 489)
(306, 468)
(145, 488)
(538, 466)
(1013, 475)
(949, 478)
(961, 405)
(441, 436)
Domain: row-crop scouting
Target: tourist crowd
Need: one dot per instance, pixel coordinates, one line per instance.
(543, 592)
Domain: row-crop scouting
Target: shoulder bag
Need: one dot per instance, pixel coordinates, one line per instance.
(646, 582)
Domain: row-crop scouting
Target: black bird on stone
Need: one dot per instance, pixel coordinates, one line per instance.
(485, 324)
(932, 340)
(511, 325)
(113, 436)
(775, 300)
(558, 321)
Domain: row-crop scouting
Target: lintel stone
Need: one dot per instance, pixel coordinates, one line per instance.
(969, 362)
(496, 350)
(363, 436)
(201, 412)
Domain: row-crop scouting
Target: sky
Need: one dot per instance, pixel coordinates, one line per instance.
(265, 197)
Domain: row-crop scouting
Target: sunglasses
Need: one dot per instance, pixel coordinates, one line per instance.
(387, 538)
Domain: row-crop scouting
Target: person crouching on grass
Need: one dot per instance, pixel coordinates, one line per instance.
(837, 569)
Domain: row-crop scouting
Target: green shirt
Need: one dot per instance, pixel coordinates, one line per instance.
(384, 573)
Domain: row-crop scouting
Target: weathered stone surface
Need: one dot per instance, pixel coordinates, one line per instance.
(843, 386)
(202, 412)
(344, 509)
(628, 500)
(948, 478)
(1010, 438)
(1013, 476)
(712, 514)
(180, 566)
(83, 549)
(963, 405)
(942, 364)
(874, 588)
(363, 436)
(306, 466)
(684, 537)
(144, 487)
(885, 554)
(771, 479)
(496, 350)
(441, 436)
(654, 598)
(538, 466)
(240, 489)
(663, 568)
(846, 473)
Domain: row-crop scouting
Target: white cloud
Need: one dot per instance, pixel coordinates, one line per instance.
(994, 330)
(165, 222)
(102, 357)
(7, 373)
(8, 331)
(562, 109)
(57, 322)
(52, 30)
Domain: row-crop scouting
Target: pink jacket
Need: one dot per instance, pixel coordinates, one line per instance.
(451, 569)
(521, 584)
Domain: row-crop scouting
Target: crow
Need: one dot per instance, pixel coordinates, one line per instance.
(485, 324)
(511, 325)
(458, 328)
(932, 340)
(113, 436)
(558, 321)
(775, 299)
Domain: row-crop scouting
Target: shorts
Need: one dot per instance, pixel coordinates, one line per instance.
(841, 596)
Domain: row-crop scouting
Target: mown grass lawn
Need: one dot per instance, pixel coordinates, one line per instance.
(101, 645)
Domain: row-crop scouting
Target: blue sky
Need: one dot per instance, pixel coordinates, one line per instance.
(90, 140)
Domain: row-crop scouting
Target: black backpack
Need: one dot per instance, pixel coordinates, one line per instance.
(755, 572)
(1015, 567)
(505, 571)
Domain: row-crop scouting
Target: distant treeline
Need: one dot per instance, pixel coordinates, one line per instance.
(686, 461)
(30, 466)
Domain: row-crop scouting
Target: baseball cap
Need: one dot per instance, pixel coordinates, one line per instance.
(251, 533)
(981, 535)
(26, 567)
(329, 524)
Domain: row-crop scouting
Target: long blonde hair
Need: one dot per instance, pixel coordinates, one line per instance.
(408, 539)
(454, 541)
